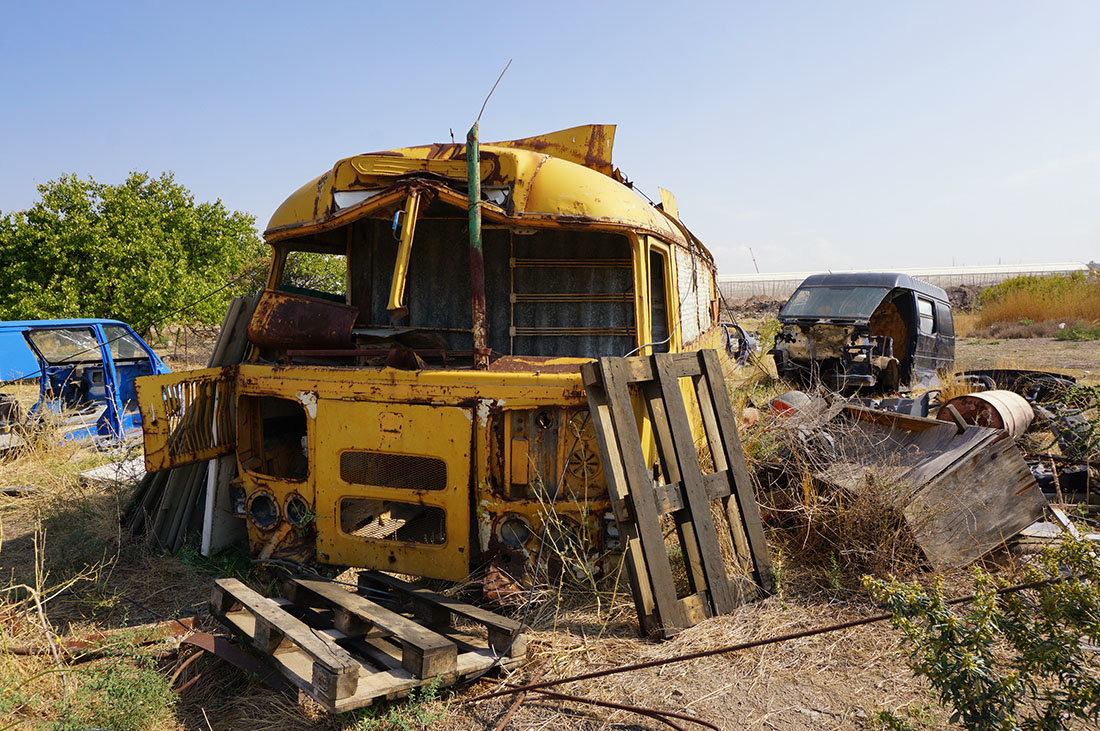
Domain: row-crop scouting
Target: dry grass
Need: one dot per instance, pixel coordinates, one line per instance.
(1040, 303)
(88, 573)
(967, 323)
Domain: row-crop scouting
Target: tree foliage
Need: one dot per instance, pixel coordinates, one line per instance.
(142, 251)
(1009, 661)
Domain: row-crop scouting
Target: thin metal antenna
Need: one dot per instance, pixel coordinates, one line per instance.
(754, 260)
(491, 91)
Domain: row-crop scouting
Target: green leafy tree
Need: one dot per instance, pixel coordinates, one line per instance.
(1020, 660)
(142, 251)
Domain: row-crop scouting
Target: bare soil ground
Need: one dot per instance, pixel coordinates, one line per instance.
(1078, 359)
(66, 537)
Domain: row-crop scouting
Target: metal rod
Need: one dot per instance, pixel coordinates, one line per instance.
(748, 645)
(477, 261)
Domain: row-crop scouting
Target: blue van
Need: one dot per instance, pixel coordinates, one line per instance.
(85, 370)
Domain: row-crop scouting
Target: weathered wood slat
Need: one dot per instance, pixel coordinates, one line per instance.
(695, 496)
(670, 498)
(425, 653)
(641, 369)
(745, 513)
(621, 501)
(293, 642)
(334, 673)
(639, 484)
(685, 494)
(504, 633)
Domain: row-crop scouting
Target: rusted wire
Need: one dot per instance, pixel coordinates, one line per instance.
(659, 715)
(745, 645)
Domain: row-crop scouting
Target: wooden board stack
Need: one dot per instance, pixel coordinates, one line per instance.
(170, 504)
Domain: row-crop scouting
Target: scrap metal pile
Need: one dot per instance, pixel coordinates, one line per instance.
(968, 474)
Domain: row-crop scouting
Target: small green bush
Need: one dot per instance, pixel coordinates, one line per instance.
(1008, 661)
(422, 710)
(1079, 331)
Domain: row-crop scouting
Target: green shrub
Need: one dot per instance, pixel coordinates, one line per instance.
(1079, 331)
(1008, 661)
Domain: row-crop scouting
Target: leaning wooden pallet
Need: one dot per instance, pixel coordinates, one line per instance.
(348, 649)
(685, 492)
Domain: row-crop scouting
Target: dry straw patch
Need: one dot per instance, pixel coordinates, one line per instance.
(1043, 299)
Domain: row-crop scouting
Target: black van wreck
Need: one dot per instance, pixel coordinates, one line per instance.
(865, 330)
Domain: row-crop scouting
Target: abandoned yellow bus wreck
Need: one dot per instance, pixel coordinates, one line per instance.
(412, 399)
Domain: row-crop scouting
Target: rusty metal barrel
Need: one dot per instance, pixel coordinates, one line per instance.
(996, 409)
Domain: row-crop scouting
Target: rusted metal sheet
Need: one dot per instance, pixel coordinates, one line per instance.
(226, 649)
(186, 417)
(589, 145)
(284, 320)
(995, 409)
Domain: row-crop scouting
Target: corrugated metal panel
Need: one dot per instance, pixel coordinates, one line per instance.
(685, 292)
(702, 294)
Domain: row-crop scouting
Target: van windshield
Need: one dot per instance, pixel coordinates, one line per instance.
(856, 303)
(66, 345)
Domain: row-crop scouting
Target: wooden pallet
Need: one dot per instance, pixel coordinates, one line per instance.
(348, 649)
(684, 492)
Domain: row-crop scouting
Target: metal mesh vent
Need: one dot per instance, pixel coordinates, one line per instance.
(399, 471)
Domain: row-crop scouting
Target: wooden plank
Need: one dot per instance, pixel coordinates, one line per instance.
(504, 633)
(424, 653)
(666, 448)
(640, 368)
(380, 671)
(666, 452)
(670, 498)
(621, 503)
(710, 554)
(335, 673)
(748, 512)
(986, 497)
(640, 486)
(390, 684)
(197, 480)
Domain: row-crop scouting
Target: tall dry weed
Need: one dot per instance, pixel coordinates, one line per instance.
(828, 535)
(1033, 299)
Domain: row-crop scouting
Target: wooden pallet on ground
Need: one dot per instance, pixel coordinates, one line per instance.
(716, 583)
(348, 649)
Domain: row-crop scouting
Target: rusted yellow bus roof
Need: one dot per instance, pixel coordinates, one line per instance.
(561, 175)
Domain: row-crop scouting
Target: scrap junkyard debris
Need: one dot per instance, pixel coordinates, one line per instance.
(994, 409)
(684, 493)
(100, 643)
(126, 471)
(865, 331)
(962, 490)
(18, 490)
(166, 503)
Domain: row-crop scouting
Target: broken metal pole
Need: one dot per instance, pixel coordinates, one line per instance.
(396, 305)
(477, 262)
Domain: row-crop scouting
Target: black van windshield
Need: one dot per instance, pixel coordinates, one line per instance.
(855, 303)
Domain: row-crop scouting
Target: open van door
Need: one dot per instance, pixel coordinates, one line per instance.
(187, 417)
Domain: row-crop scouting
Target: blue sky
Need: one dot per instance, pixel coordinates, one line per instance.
(820, 134)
